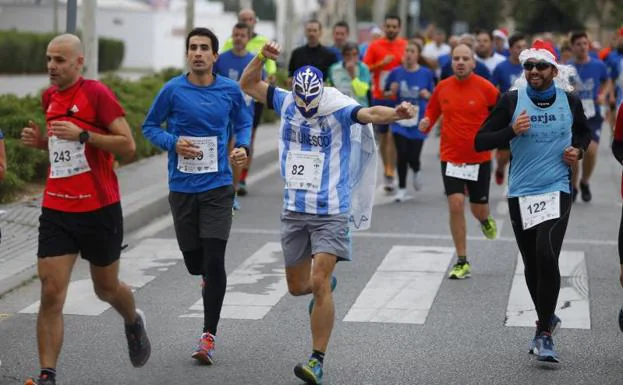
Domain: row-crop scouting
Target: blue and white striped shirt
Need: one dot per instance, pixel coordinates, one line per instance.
(328, 134)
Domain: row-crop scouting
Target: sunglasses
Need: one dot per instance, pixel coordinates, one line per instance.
(540, 66)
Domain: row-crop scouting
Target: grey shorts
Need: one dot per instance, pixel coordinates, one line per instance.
(201, 215)
(305, 235)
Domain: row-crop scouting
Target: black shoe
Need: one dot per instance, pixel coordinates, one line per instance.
(138, 343)
(586, 192)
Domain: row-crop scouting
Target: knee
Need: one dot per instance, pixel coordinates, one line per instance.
(297, 288)
(321, 282)
(52, 294)
(106, 291)
(456, 204)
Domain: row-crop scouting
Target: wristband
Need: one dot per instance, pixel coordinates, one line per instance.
(261, 56)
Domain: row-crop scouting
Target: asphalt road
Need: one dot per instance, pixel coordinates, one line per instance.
(399, 320)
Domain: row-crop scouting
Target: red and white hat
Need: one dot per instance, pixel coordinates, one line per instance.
(542, 51)
(502, 33)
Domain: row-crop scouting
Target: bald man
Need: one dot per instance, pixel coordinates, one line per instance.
(255, 44)
(81, 209)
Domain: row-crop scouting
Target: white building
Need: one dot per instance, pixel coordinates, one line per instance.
(154, 38)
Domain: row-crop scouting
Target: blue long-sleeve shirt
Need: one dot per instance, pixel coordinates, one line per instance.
(203, 112)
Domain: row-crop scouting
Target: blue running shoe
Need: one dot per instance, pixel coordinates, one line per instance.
(310, 372)
(554, 326)
(333, 285)
(544, 349)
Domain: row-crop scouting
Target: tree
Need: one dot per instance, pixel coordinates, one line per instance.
(535, 16)
(476, 13)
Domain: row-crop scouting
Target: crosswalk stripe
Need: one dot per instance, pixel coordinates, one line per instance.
(573, 302)
(254, 287)
(404, 286)
(148, 255)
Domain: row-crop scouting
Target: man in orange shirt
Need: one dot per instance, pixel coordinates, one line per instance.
(465, 100)
(382, 56)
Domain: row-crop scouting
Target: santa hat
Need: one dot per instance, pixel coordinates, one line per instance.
(502, 33)
(541, 50)
(544, 51)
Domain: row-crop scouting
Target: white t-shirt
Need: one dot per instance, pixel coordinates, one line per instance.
(433, 51)
(492, 61)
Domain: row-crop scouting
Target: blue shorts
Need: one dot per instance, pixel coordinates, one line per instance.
(595, 124)
(382, 128)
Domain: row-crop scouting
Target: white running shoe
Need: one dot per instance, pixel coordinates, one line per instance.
(417, 181)
(401, 195)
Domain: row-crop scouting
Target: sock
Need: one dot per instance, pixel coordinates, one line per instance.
(243, 175)
(318, 355)
(462, 259)
(48, 373)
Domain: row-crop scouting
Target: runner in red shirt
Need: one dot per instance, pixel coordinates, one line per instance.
(382, 56)
(81, 210)
(464, 100)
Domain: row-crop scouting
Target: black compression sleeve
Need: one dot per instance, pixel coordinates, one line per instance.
(496, 131)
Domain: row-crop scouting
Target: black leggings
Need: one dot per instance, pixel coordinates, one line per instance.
(540, 249)
(212, 257)
(408, 151)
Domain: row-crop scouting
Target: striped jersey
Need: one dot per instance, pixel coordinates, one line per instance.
(314, 155)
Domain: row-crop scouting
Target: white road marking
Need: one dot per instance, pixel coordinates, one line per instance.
(573, 302)
(404, 286)
(137, 268)
(254, 288)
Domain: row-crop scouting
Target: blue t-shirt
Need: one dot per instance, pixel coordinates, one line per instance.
(537, 165)
(592, 75)
(410, 84)
(204, 112)
(337, 52)
(505, 52)
(505, 74)
(327, 135)
(444, 60)
(232, 66)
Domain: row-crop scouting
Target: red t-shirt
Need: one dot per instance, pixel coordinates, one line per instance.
(76, 182)
(376, 52)
(465, 105)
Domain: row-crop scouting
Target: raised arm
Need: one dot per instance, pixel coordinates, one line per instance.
(386, 115)
(251, 81)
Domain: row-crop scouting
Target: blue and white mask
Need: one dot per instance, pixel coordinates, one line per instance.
(307, 90)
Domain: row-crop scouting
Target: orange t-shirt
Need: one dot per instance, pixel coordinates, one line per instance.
(465, 105)
(376, 52)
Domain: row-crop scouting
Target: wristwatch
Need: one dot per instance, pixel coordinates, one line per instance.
(84, 137)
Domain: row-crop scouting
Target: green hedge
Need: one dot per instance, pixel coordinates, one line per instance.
(27, 165)
(24, 52)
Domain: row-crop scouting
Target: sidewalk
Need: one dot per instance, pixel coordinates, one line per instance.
(144, 197)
